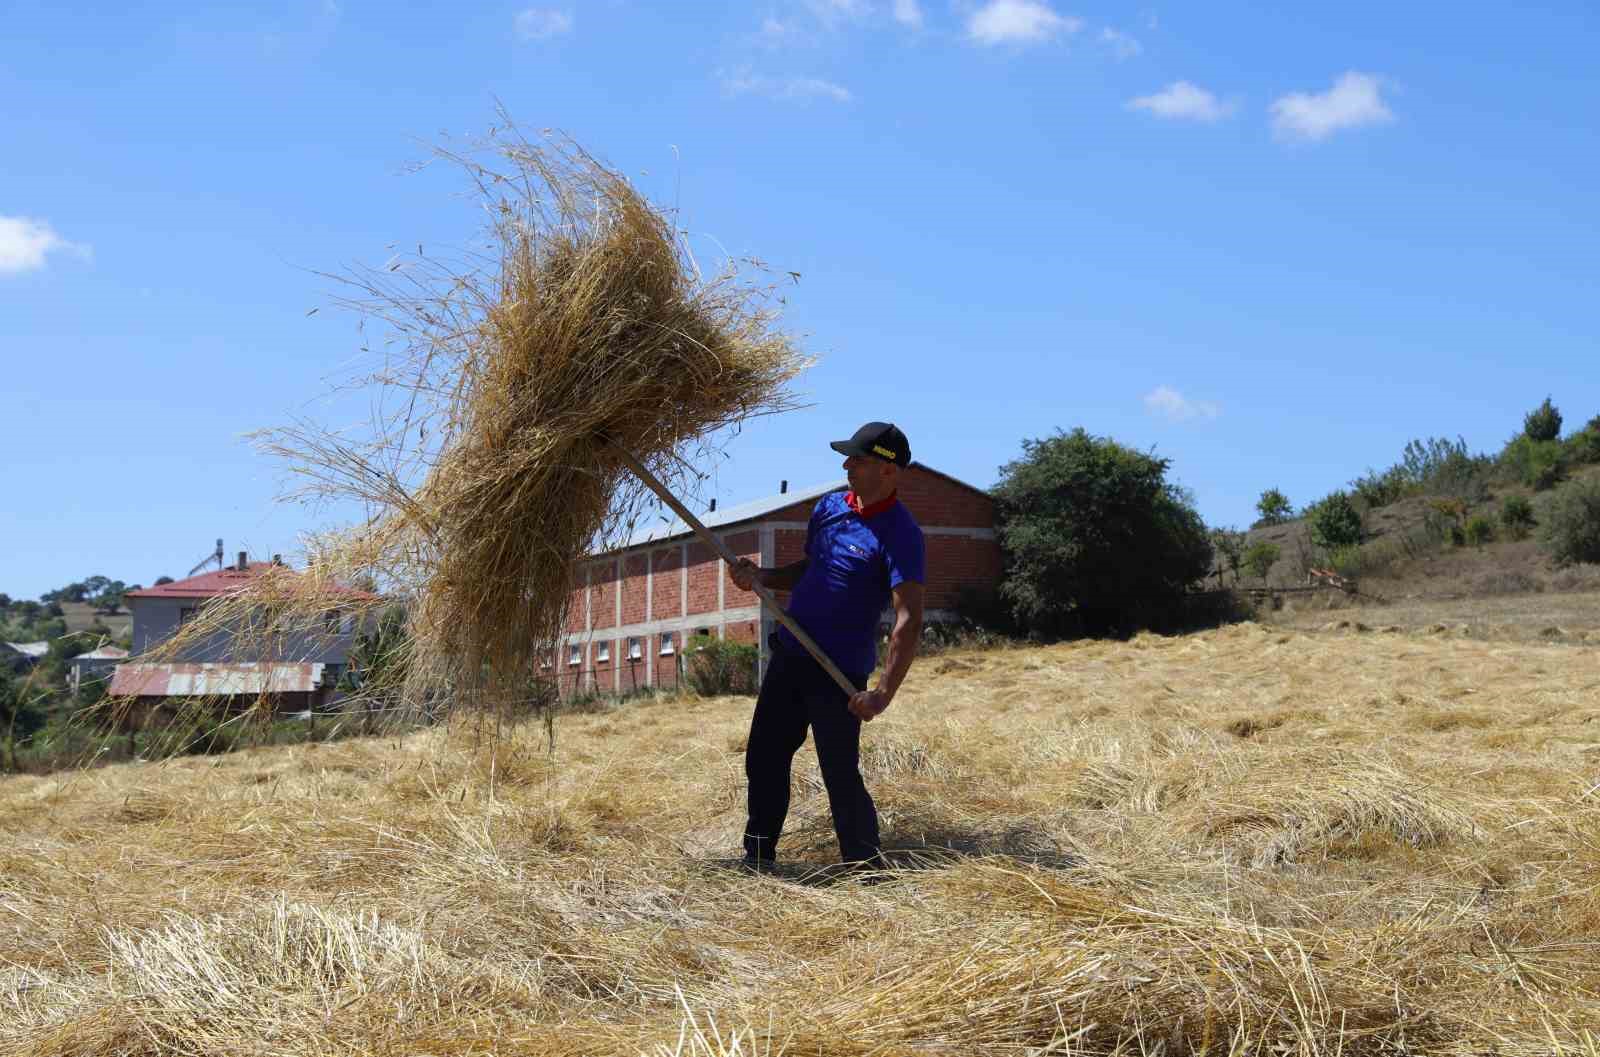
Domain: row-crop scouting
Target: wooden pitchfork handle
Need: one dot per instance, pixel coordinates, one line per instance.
(728, 556)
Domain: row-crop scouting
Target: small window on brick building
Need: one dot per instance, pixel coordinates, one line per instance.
(635, 650)
(575, 656)
(666, 643)
(603, 652)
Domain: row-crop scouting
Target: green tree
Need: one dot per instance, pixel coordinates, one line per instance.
(1539, 464)
(1569, 528)
(1260, 558)
(1335, 522)
(20, 714)
(1274, 507)
(1228, 544)
(1096, 539)
(1542, 423)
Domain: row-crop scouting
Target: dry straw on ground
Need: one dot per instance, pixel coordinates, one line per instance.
(509, 382)
(1253, 840)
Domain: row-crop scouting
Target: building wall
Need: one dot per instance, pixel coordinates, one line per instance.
(681, 586)
(157, 619)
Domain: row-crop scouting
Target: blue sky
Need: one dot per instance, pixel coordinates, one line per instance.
(1272, 242)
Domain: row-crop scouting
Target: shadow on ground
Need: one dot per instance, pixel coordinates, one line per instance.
(925, 848)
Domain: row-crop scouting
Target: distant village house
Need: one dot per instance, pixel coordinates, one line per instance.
(305, 675)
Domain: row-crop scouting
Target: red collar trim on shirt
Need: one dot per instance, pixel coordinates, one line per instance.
(875, 509)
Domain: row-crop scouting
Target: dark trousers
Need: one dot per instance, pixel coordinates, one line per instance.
(797, 694)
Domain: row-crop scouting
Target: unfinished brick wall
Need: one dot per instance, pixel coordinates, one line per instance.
(956, 564)
(703, 570)
(603, 594)
(936, 500)
(650, 581)
(666, 563)
(744, 545)
(633, 588)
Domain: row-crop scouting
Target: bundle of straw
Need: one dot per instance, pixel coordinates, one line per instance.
(511, 381)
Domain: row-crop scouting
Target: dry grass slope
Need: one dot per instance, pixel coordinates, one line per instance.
(1247, 841)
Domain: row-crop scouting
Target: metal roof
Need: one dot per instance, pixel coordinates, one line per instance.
(665, 530)
(214, 680)
(226, 581)
(30, 649)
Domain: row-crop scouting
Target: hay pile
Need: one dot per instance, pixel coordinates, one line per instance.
(1093, 853)
(508, 382)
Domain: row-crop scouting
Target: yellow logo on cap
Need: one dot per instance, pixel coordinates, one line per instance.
(885, 452)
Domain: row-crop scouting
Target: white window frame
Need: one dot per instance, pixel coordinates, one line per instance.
(667, 644)
(574, 656)
(635, 648)
(602, 652)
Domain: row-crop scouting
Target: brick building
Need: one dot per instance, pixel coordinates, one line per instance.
(637, 606)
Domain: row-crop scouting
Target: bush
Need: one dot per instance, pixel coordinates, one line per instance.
(1569, 528)
(1543, 423)
(1096, 540)
(1478, 530)
(1584, 446)
(1274, 508)
(720, 666)
(1516, 516)
(1539, 464)
(1335, 522)
(1259, 559)
(1346, 560)
(1437, 466)
(1380, 489)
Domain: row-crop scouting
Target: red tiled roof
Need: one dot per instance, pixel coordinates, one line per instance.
(224, 582)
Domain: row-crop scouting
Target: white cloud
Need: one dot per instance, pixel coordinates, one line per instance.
(1182, 100)
(25, 244)
(1354, 100)
(1166, 402)
(908, 13)
(1121, 44)
(788, 89)
(1018, 22)
(542, 23)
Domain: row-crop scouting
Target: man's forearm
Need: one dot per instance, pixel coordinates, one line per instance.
(903, 641)
(784, 577)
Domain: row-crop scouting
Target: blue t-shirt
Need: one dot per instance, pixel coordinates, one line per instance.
(853, 563)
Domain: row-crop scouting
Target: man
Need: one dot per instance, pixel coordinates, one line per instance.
(863, 549)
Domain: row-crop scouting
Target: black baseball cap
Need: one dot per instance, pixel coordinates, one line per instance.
(881, 440)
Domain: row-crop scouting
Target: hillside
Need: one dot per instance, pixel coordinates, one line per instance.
(81, 616)
(1399, 563)
(1248, 840)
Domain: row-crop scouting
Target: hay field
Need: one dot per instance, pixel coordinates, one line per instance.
(1253, 840)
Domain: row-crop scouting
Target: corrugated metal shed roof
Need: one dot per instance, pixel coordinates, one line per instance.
(666, 530)
(214, 680)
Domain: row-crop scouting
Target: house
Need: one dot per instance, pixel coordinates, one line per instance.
(303, 674)
(637, 606)
(21, 656)
(95, 665)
